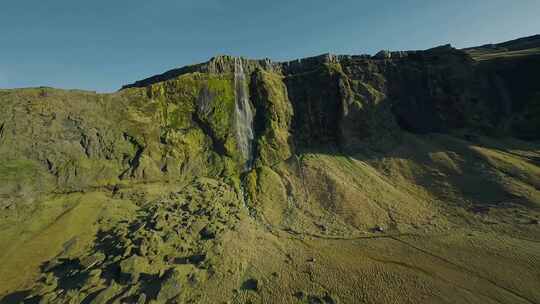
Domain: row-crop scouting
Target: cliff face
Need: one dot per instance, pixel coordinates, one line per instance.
(344, 99)
(233, 113)
(164, 171)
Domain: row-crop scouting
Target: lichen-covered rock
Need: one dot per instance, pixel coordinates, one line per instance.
(267, 194)
(133, 266)
(273, 118)
(106, 295)
(92, 260)
(175, 281)
(171, 244)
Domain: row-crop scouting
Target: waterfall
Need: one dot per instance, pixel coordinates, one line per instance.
(243, 115)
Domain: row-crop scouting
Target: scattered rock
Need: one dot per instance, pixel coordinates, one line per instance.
(91, 261)
(195, 259)
(315, 300)
(207, 233)
(171, 286)
(378, 229)
(106, 294)
(141, 299)
(50, 265)
(328, 299)
(133, 267)
(250, 285)
(48, 284)
(300, 295)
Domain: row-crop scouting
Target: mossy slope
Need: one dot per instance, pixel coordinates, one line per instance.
(385, 179)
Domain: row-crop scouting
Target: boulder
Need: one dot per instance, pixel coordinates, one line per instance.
(133, 266)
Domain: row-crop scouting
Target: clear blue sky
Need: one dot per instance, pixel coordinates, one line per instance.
(101, 45)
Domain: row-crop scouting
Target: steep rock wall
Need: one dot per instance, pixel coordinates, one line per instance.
(225, 116)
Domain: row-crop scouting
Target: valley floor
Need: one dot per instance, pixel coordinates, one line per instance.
(437, 220)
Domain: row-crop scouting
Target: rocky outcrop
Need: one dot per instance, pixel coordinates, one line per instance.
(222, 64)
(437, 90)
(222, 117)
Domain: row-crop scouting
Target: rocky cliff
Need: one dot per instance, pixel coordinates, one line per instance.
(220, 117)
(167, 169)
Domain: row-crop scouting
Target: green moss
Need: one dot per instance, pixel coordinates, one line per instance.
(219, 116)
(250, 182)
(177, 99)
(367, 121)
(23, 177)
(139, 134)
(230, 166)
(99, 172)
(178, 117)
(18, 170)
(222, 107)
(335, 68)
(197, 111)
(274, 115)
(266, 193)
(38, 236)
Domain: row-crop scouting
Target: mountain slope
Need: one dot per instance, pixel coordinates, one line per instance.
(515, 48)
(393, 178)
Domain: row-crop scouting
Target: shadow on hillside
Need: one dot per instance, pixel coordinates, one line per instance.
(476, 180)
(430, 122)
(18, 298)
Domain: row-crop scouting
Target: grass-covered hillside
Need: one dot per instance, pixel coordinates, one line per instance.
(406, 177)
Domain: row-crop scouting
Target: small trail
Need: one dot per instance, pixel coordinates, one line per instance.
(364, 237)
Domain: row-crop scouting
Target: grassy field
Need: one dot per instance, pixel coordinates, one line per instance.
(436, 220)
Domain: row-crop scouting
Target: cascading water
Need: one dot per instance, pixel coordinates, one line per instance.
(244, 115)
